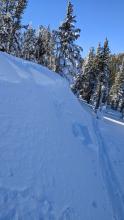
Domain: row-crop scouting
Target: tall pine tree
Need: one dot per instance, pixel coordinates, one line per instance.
(68, 52)
(102, 73)
(28, 44)
(85, 82)
(45, 47)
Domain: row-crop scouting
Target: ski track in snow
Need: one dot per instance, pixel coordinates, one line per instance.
(111, 181)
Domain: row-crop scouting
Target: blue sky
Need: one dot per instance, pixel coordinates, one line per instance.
(98, 19)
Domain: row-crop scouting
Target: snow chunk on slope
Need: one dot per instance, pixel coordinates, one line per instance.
(49, 167)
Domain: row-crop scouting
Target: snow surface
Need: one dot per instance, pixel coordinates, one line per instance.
(56, 158)
(113, 120)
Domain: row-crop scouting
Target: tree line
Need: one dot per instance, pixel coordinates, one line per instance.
(91, 78)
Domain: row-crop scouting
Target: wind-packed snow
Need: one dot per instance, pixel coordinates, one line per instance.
(57, 162)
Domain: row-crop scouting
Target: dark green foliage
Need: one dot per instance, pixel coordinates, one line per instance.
(85, 82)
(92, 84)
(45, 45)
(102, 73)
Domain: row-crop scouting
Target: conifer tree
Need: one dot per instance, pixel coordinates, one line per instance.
(106, 69)
(10, 23)
(40, 47)
(117, 90)
(15, 34)
(6, 22)
(102, 73)
(28, 44)
(68, 52)
(45, 47)
(98, 94)
(90, 75)
(49, 45)
(84, 84)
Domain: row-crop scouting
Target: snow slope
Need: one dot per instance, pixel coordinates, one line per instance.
(49, 151)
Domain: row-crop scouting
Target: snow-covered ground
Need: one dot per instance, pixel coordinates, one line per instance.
(110, 135)
(57, 161)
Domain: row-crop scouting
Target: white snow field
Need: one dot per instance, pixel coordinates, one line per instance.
(57, 161)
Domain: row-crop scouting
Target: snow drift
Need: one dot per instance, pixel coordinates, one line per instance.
(49, 165)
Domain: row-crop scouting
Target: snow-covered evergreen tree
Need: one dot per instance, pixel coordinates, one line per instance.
(68, 52)
(85, 82)
(90, 75)
(6, 22)
(102, 74)
(28, 44)
(45, 47)
(10, 23)
(117, 90)
(106, 69)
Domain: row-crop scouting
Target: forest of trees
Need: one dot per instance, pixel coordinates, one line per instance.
(98, 78)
